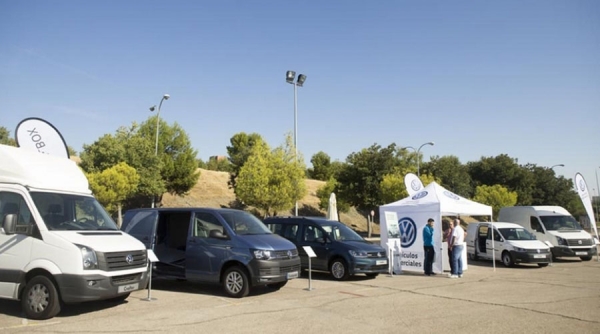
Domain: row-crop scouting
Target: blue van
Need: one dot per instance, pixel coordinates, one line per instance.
(221, 246)
(339, 249)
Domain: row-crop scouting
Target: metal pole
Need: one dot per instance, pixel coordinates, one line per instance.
(296, 134)
(418, 161)
(156, 140)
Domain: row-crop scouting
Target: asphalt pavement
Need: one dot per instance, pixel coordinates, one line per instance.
(562, 298)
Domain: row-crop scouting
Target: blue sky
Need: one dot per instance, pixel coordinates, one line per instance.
(479, 78)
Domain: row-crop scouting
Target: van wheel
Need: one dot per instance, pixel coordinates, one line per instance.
(235, 282)
(277, 286)
(507, 259)
(542, 265)
(339, 269)
(586, 258)
(40, 299)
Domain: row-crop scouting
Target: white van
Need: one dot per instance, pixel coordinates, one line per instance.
(57, 243)
(512, 244)
(553, 225)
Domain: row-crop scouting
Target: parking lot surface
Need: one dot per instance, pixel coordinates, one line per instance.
(562, 298)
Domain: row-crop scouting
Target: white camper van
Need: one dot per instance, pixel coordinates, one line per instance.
(554, 225)
(57, 243)
(507, 242)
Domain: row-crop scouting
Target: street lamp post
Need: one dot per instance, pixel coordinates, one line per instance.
(289, 78)
(165, 97)
(559, 165)
(418, 156)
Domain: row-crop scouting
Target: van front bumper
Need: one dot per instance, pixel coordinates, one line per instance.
(273, 271)
(369, 266)
(83, 288)
(520, 257)
(559, 251)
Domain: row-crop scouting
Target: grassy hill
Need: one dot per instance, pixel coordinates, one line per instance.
(212, 191)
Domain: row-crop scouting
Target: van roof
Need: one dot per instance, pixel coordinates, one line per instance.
(185, 209)
(41, 171)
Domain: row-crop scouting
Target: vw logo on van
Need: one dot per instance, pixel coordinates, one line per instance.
(451, 195)
(420, 195)
(289, 254)
(408, 231)
(129, 258)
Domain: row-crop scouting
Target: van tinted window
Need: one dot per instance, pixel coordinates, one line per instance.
(140, 223)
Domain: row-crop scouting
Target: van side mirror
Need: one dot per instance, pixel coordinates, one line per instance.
(9, 224)
(217, 235)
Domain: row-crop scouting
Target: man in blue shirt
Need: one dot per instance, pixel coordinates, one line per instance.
(428, 247)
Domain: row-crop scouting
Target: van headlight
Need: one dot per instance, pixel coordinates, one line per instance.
(357, 253)
(520, 250)
(89, 259)
(262, 254)
(561, 241)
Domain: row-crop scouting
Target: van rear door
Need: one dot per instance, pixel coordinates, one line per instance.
(141, 224)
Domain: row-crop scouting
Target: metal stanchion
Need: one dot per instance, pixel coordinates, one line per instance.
(310, 254)
(151, 259)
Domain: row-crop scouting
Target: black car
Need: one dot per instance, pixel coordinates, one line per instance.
(339, 249)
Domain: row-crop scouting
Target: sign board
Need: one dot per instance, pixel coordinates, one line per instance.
(309, 251)
(151, 256)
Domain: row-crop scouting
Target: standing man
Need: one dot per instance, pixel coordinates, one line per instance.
(457, 245)
(428, 247)
(448, 239)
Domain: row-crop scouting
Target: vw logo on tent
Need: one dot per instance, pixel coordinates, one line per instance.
(408, 231)
(451, 195)
(420, 195)
(581, 184)
(415, 185)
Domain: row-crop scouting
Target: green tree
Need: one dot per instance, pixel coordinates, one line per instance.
(113, 186)
(321, 167)
(548, 189)
(5, 138)
(201, 164)
(495, 196)
(271, 181)
(325, 191)
(239, 151)
(505, 171)
(360, 179)
(453, 175)
(221, 165)
(71, 151)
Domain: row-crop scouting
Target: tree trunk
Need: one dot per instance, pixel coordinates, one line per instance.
(120, 216)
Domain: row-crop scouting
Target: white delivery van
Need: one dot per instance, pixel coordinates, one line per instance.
(555, 226)
(509, 243)
(57, 243)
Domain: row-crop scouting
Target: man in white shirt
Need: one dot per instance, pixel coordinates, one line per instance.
(456, 245)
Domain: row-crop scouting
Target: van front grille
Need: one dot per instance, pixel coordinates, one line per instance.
(579, 242)
(114, 261)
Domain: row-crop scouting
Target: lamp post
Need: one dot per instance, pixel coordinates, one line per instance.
(290, 76)
(165, 97)
(559, 165)
(418, 156)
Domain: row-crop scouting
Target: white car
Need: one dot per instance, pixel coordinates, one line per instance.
(506, 242)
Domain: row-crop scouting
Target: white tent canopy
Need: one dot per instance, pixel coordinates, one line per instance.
(411, 213)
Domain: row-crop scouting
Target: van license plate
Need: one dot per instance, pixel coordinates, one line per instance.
(539, 256)
(380, 262)
(580, 253)
(293, 274)
(128, 287)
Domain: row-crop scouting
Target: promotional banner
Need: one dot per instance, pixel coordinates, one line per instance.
(413, 184)
(39, 135)
(390, 240)
(411, 239)
(582, 190)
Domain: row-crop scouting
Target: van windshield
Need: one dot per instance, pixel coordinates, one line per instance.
(516, 234)
(560, 223)
(341, 233)
(243, 223)
(62, 212)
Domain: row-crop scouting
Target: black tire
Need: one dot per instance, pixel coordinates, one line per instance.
(119, 298)
(372, 275)
(507, 260)
(542, 265)
(40, 299)
(277, 286)
(235, 282)
(339, 269)
(586, 258)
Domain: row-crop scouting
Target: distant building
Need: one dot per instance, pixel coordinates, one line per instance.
(218, 157)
